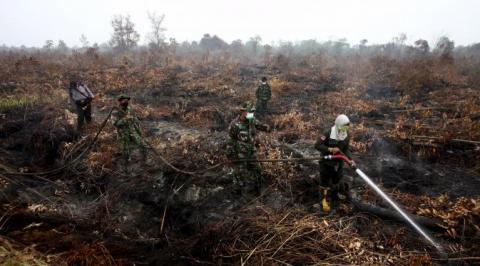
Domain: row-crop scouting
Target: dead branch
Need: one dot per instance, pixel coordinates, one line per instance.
(452, 140)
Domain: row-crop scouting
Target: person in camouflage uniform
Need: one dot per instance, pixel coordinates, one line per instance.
(335, 140)
(263, 93)
(241, 145)
(128, 129)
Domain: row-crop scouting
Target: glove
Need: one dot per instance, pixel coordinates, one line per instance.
(129, 118)
(334, 150)
(353, 164)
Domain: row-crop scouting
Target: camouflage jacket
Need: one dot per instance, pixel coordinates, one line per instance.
(264, 93)
(242, 138)
(126, 122)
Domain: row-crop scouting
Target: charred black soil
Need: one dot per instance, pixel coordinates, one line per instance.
(90, 208)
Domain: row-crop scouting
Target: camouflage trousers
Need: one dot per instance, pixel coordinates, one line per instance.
(261, 107)
(247, 177)
(129, 142)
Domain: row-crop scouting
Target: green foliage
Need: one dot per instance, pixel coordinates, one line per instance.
(9, 103)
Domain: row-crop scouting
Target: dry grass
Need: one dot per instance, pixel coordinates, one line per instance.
(459, 218)
(89, 254)
(13, 255)
(292, 122)
(196, 92)
(263, 236)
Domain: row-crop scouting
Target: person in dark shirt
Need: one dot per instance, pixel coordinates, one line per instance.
(82, 97)
(335, 140)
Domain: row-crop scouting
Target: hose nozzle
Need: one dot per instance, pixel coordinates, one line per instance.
(340, 157)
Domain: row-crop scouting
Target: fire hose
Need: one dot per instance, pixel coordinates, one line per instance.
(341, 157)
(370, 183)
(403, 213)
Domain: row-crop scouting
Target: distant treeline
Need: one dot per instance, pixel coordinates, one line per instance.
(125, 39)
(254, 48)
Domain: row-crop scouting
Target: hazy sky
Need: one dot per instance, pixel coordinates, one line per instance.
(31, 22)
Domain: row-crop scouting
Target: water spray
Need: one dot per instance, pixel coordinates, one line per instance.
(407, 218)
(369, 181)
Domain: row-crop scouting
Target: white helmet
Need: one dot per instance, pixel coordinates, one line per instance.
(342, 120)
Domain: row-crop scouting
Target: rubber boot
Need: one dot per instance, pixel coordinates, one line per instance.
(325, 202)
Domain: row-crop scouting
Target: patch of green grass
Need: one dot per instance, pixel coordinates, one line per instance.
(9, 103)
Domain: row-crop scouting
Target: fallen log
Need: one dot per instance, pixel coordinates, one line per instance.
(391, 214)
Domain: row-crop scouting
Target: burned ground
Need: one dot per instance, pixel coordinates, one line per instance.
(94, 211)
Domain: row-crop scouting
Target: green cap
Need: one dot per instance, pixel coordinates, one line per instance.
(123, 96)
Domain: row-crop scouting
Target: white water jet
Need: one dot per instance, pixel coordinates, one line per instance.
(399, 210)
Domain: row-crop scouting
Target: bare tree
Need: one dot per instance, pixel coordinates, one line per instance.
(171, 51)
(124, 35)
(156, 38)
(400, 39)
(84, 41)
(48, 45)
(173, 45)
